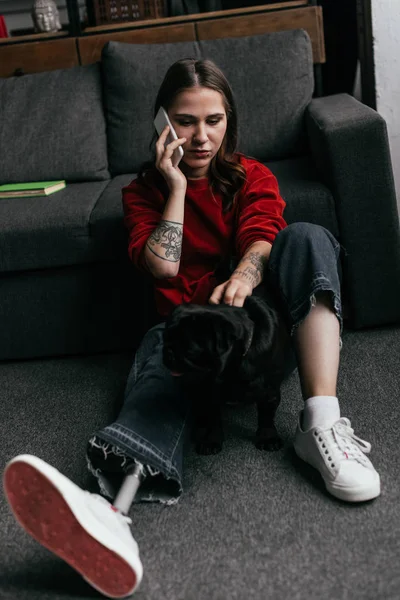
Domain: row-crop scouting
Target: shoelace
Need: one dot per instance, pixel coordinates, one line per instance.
(351, 445)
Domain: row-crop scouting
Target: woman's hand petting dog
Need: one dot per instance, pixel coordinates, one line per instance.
(233, 292)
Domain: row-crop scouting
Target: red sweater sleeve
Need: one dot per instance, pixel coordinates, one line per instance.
(260, 207)
(143, 205)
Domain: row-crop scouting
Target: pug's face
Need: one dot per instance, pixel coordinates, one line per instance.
(202, 340)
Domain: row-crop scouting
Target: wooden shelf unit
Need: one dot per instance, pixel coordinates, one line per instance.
(54, 51)
(272, 7)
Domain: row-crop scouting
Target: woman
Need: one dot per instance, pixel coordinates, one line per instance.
(181, 221)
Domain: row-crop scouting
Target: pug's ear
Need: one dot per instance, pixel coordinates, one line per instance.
(238, 336)
(226, 342)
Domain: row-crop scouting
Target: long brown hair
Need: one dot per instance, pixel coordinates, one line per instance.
(226, 173)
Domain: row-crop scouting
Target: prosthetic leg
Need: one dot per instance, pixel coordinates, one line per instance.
(129, 488)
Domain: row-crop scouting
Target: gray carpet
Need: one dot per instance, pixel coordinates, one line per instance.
(250, 524)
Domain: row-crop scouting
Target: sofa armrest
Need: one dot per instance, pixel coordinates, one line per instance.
(349, 143)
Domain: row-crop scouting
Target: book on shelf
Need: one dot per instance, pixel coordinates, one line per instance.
(31, 189)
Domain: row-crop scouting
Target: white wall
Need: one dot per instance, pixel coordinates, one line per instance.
(386, 33)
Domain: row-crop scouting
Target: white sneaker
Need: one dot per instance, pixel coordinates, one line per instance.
(81, 528)
(340, 458)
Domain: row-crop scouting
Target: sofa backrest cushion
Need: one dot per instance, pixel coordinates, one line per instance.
(271, 76)
(53, 126)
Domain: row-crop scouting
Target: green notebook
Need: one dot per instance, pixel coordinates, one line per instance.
(27, 190)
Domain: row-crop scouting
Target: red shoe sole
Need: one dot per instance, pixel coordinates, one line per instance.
(42, 511)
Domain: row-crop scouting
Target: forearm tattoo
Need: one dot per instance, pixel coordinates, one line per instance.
(257, 260)
(252, 274)
(167, 236)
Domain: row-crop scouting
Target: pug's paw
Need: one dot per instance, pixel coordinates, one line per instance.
(267, 438)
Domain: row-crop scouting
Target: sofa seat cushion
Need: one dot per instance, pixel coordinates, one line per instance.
(307, 199)
(53, 126)
(49, 231)
(107, 228)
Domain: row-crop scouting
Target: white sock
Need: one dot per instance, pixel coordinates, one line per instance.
(320, 411)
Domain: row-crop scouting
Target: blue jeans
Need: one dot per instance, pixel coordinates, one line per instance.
(152, 426)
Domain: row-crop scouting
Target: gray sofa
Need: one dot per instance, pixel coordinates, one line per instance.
(66, 284)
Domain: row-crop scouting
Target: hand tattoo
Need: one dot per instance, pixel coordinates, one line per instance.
(168, 235)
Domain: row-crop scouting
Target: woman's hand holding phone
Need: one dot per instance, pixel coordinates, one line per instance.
(172, 174)
(169, 152)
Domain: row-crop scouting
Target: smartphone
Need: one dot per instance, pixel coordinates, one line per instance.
(160, 122)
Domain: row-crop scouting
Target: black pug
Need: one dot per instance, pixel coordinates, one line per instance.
(228, 352)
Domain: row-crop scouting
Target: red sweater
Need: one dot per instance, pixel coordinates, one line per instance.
(207, 231)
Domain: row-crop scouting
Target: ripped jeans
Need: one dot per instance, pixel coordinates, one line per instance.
(152, 425)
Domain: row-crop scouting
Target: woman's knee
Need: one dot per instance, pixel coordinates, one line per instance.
(301, 233)
(302, 230)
